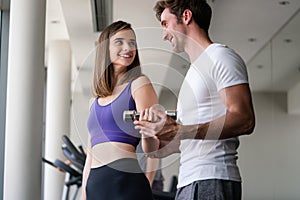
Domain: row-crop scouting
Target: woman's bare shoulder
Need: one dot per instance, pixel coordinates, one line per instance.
(140, 82)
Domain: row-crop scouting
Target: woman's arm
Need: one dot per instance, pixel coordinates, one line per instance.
(151, 168)
(145, 97)
(86, 169)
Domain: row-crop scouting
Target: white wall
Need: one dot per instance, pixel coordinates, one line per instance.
(269, 159)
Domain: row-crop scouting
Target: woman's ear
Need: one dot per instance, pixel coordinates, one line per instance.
(187, 16)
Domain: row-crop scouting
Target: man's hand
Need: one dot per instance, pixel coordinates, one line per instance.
(154, 122)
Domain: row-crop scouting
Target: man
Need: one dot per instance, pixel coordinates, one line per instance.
(214, 106)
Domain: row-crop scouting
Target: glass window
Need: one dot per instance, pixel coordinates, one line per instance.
(4, 29)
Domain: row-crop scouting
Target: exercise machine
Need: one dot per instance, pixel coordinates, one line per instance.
(73, 176)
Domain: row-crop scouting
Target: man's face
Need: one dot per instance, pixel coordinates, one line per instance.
(172, 30)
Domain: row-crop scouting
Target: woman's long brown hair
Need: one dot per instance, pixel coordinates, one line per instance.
(103, 80)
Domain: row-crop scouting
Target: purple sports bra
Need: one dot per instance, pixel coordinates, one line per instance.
(105, 123)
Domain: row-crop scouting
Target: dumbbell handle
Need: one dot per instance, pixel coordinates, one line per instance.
(131, 115)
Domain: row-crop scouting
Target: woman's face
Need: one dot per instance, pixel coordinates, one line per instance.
(122, 48)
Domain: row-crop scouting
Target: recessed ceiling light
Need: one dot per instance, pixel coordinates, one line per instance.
(252, 39)
(55, 21)
(287, 40)
(284, 3)
(260, 66)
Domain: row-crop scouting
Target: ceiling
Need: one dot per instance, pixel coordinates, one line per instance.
(266, 33)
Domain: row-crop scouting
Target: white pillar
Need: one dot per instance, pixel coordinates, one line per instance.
(25, 91)
(57, 113)
(293, 97)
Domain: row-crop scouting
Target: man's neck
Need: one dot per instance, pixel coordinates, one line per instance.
(198, 41)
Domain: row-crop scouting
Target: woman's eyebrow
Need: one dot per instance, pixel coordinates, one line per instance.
(118, 39)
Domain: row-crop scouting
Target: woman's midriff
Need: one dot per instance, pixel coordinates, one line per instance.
(108, 152)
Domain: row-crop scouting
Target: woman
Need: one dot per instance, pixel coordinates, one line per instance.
(111, 169)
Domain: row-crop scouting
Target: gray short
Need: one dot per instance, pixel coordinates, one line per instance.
(213, 189)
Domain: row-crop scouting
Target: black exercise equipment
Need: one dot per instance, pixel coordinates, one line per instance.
(73, 172)
(76, 156)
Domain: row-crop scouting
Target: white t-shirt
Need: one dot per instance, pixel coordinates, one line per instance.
(199, 101)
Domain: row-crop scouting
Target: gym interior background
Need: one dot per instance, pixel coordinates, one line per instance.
(45, 73)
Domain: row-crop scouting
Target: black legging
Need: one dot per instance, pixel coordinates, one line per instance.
(119, 180)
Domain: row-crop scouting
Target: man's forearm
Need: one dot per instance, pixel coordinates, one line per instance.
(228, 126)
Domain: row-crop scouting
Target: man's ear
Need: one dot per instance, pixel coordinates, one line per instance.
(187, 16)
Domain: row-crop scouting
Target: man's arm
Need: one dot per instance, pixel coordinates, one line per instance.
(238, 120)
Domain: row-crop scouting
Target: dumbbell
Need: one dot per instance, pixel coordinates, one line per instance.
(131, 115)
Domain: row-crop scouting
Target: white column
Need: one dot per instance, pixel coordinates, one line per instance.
(25, 91)
(57, 113)
(293, 97)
